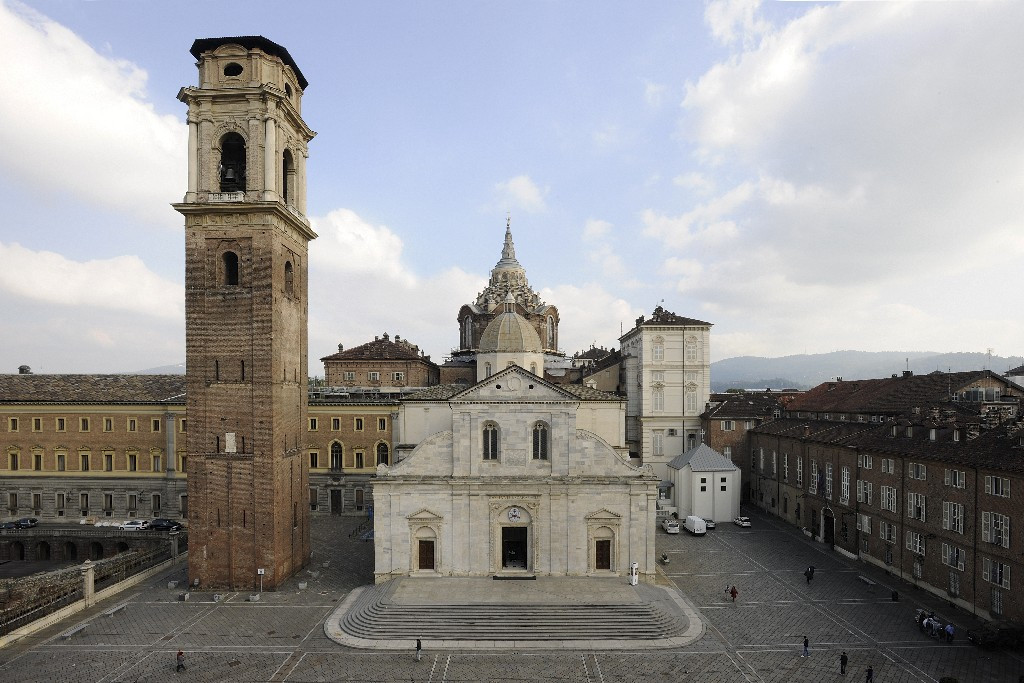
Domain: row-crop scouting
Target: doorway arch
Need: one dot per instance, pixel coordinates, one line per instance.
(42, 550)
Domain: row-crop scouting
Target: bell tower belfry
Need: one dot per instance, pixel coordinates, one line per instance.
(246, 248)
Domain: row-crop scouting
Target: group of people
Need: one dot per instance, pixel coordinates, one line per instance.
(930, 625)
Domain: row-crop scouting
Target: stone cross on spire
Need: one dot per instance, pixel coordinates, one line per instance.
(508, 251)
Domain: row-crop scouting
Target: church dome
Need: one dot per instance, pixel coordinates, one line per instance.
(510, 333)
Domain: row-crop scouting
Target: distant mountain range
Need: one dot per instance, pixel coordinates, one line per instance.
(178, 369)
(804, 371)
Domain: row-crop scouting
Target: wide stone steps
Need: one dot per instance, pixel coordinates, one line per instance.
(376, 617)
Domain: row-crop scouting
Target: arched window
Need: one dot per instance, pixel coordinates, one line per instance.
(540, 441)
(336, 452)
(491, 441)
(232, 163)
(288, 178)
(382, 454)
(230, 259)
(533, 368)
(487, 369)
(467, 332)
(551, 333)
(289, 276)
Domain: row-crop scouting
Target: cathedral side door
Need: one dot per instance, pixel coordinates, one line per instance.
(426, 554)
(603, 554)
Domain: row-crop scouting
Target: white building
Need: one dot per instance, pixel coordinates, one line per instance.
(706, 484)
(513, 476)
(667, 361)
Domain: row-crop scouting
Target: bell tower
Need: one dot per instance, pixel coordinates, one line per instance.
(246, 247)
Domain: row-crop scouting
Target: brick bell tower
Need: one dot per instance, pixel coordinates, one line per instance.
(246, 247)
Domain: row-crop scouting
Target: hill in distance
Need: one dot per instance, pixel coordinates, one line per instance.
(804, 371)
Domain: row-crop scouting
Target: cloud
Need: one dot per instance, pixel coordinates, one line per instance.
(350, 244)
(364, 288)
(78, 121)
(594, 230)
(122, 283)
(522, 193)
(732, 20)
(693, 180)
(654, 93)
(589, 314)
(861, 162)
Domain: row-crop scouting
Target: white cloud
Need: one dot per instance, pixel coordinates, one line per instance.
(654, 93)
(364, 287)
(350, 244)
(595, 229)
(589, 314)
(122, 283)
(522, 193)
(76, 120)
(699, 182)
(732, 20)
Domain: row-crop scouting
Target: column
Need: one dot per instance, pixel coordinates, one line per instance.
(170, 450)
(193, 161)
(269, 162)
(204, 162)
(89, 583)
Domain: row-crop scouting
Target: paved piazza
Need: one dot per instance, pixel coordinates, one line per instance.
(281, 637)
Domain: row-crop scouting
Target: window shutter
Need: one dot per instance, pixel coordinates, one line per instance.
(910, 505)
(945, 554)
(924, 500)
(945, 514)
(1006, 532)
(988, 484)
(924, 472)
(986, 573)
(986, 526)
(947, 477)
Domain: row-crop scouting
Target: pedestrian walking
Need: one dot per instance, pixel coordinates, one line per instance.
(843, 661)
(949, 632)
(180, 659)
(733, 592)
(809, 574)
(419, 649)
(807, 648)
(871, 675)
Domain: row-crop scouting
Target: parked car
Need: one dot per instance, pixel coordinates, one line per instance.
(709, 523)
(997, 634)
(133, 525)
(9, 525)
(27, 522)
(741, 521)
(670, 526)
(164, 524)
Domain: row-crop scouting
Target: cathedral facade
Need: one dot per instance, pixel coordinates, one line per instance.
(506, 473)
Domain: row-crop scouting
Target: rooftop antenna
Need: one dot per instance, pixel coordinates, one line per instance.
(988, 352)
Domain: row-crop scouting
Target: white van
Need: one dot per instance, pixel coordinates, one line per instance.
(695, 525)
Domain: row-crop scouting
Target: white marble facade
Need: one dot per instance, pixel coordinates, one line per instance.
(503, 481)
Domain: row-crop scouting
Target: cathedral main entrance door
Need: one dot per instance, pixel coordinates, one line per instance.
(513, 547)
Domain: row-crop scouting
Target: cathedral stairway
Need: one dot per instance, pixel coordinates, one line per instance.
(389, 614)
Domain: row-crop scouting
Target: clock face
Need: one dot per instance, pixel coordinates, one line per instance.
(513, 514)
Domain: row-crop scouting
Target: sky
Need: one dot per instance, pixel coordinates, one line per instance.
(808, 177)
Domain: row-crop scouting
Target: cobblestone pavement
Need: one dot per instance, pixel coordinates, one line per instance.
(281, 637)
